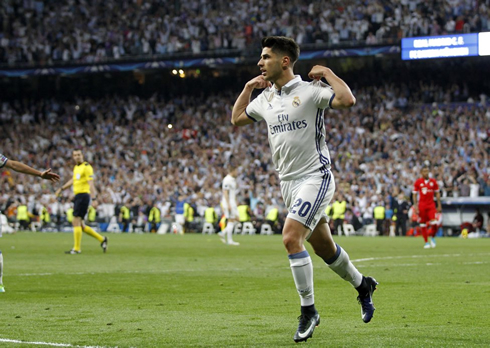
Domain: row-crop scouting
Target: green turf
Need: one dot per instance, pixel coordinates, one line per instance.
(183, 291)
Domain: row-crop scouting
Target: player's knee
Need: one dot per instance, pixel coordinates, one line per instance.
(292, 243)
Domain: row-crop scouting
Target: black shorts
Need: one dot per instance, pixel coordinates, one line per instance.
(82, 202)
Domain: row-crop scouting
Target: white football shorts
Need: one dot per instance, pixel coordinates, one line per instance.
(231, 212)
(308, 197)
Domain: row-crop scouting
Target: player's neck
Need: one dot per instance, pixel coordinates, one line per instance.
(287, 76)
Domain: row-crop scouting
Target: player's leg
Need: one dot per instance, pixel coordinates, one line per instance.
(303, 200)
(432, 227)
(77, 235)
(226, 235)
(80, 208)
(294, 234)
(230, 227)
(90, 231)
(423, 220)
(338, 260)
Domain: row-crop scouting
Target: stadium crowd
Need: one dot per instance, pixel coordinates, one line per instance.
(152, 151)
(86, 31)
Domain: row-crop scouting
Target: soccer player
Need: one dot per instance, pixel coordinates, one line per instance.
(293, 111)
(424, 190)
(229, 206)
(83, 186)
(22, 168)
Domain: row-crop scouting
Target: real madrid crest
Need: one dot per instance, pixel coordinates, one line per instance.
(296, 102)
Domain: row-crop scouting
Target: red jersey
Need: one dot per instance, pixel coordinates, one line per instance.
(425, 190)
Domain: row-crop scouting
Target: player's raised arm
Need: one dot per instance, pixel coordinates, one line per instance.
(24, 168)
(238, 115)
(344, 98)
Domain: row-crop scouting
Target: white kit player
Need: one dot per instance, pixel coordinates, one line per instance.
(229, 206)
(21, 168)
(293, 112)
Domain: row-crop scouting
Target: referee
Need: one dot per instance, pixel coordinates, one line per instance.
(83, 185)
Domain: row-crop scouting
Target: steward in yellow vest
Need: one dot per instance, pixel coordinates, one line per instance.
(92, 214)
(379, 216)
(272, 218)
(125, 217)
(188, 212)
(69, 215)
(338, 214)
(244, 213)
(154, 217)
(338, 210)
(23, 216)
(45, 217)
(210, 215)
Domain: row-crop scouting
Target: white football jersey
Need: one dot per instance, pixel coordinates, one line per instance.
(229, 184)
(296, 128)
(3, 160)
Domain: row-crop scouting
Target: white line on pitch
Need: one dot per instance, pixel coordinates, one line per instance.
(6, 340)
(243, 269)
(416, 256)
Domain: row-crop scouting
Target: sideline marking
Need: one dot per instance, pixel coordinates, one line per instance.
(415, 257)
(247, 269)
(46, 343)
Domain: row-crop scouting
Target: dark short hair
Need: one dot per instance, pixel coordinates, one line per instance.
(282, 45)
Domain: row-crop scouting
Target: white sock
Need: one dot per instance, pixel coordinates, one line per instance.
(302, 269)
(1, 268)
(229, 231)
(344, 268)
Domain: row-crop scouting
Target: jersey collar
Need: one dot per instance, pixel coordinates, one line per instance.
(290, 85)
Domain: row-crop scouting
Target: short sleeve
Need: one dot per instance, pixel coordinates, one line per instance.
(323, 94)
(3, 160)
(89, 171)
(416, 187)
(254, 109)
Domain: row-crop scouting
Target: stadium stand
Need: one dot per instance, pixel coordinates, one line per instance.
(377, 148)
(63, 31)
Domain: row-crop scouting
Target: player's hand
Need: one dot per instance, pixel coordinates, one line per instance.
(57, 193)
(317, 72)
(416, 210)
(48, 175)
(439, 209)
(259, 82)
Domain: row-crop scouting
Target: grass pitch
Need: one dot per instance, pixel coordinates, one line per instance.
(193, 291)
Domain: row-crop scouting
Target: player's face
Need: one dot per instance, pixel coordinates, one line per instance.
(425, 173)
(270, 65)
(78, 157)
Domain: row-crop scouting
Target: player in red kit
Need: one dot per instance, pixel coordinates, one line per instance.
(423, 201)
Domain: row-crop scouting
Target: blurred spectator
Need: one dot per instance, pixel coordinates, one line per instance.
(61, 31)
(477, 221)
(400, 208)
(374, 150)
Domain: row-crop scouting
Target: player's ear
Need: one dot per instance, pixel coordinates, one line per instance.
(286, 62)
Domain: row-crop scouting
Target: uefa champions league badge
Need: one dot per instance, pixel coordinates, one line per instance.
(296, 102)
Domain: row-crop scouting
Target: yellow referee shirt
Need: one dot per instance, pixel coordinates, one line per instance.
(82, 174)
